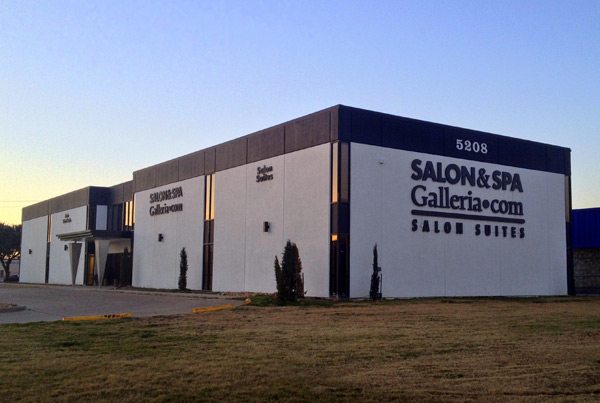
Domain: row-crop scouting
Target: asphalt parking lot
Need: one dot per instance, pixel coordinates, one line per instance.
(50, 302)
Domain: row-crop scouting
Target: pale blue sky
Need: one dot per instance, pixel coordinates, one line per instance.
(93, 90)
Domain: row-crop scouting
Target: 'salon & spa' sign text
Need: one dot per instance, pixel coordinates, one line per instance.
(450, 191)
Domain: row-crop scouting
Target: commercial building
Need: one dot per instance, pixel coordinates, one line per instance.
(586, 250)
(454, 212)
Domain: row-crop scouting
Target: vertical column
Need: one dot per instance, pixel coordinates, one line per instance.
(209, 232)
(339, 269)
(568, 216)
(74, 254)
(48, 241)
(101, 246)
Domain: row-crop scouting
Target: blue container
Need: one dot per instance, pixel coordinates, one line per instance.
(586, 228)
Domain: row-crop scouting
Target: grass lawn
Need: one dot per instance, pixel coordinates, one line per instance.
(426, 350)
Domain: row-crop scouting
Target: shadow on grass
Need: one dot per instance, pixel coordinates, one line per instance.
(271, 300)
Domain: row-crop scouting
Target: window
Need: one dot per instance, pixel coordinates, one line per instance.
(49, 227)
(129, 218)
(335, 173)
(115, 217)
(339, 273)
(344, 173)
(209, 229)
(121, 217)
(209, 197)
(48, 241)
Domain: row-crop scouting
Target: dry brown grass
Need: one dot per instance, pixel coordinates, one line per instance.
(426, 350)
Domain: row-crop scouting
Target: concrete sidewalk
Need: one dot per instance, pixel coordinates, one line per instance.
(52, 302)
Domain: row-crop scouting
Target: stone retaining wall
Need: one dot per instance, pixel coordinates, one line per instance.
(587, 271)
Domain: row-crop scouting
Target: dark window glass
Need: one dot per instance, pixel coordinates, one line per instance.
(339, 276)
(344, 172)
(49, 233)
(339, 266)
(209, 229)
(48, 241)
(121, 216)
(334, 173)
(207, 272)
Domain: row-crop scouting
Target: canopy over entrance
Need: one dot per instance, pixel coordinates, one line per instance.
(102, 241)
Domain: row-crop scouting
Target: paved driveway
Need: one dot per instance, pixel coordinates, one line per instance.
(49, 302)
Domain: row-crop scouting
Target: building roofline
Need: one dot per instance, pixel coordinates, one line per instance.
(335, 123)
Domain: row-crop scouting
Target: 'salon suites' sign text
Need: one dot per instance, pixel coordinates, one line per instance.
(160, 199)
(451, 191)
(264, 173)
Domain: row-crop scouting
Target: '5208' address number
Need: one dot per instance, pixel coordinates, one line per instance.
(471, 146)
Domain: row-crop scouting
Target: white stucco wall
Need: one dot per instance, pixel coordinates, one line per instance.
(417, 263)
(60, 267)
(296, 205)
(307, 213)
(156, 264)
(33, 266)
(265, 203)
(230, 230)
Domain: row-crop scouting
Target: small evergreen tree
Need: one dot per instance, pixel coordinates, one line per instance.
(183, 268)
(281, 286)
(288, 275)
(375, 292)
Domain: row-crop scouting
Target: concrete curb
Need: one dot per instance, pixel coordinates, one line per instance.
(107, 316)
(131, 291)
(213, 308)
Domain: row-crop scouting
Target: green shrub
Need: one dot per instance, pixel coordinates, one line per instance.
(375, 291)
(288, 275)
(183, 268)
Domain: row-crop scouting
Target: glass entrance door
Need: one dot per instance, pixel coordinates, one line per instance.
(89, 269)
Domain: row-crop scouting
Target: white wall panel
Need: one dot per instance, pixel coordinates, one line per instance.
(60, 267)
(265, 203)
(34, 235)
(296, 205)
(417, 263)
(230, 230)
(156, 264)
(307, 211)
